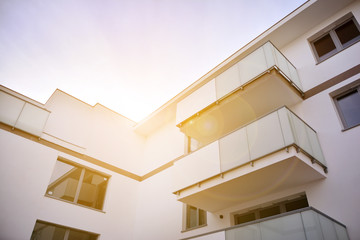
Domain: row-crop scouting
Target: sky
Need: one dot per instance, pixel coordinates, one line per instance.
(131, 56)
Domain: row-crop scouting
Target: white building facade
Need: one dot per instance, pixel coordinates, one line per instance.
(264, 146)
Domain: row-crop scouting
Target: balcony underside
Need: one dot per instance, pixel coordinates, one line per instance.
(276, 172)
(266, 93)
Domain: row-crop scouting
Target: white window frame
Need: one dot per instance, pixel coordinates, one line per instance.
(186, 216)
(80, 182)
(335, 95)
(331, 31)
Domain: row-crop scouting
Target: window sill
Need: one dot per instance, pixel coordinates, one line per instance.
(73, 203)
(345, 129)
(193, 228)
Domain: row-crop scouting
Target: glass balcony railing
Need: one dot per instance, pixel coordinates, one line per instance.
(249, 68)
(306, 223)
(276, 131)
(22, 115)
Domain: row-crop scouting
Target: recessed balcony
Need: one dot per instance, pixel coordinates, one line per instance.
(273, 153)
(307, 223)
(262, 81)
(22, 115)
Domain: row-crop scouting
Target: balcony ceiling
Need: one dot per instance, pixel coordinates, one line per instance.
(269, 175)
(258, 98)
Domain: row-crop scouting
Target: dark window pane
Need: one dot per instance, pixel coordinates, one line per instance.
(239, 219)
(191, 217)
(92, 190)
(270, 212)
(202, 217)
(347, 32)
(44, 231)
(350, 108)
(78, 235)
(64, 181)
(297, 204)
(324, 45)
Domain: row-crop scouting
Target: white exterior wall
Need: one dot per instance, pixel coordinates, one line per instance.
(165, 144)
(94, 131)
(148, 209)
(26, 168)
(299, 52)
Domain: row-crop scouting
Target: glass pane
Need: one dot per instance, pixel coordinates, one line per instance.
(43, 231)
(191, 217)
(347, 32)
(324, 45)
(79, 235)
(249, 232)
(328, 228)
(64, 181)
(312, 225)
(92, 190)
(270, 212)
(202, 217)
(350, 108)
(283, 228)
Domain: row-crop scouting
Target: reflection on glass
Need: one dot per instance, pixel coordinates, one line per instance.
(347, 32)
(48, 231)
(324, 45)
(92, 190)
(350, 108)
(78, 185)
(64, 181)
(78, 235)
(44, 231)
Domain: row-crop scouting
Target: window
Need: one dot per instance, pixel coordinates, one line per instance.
(194, 217)
(77, 184)
(337, 38)
(49, 231)
(347, 102)
(275, 209)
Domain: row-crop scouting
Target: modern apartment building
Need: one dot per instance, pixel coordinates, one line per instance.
(264, 146)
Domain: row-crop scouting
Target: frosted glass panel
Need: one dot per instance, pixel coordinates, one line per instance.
(328, 228)
(249, 232)
(312, 225)
(281, 62)
(252, 65)
(234, 150)
(268, 49)
(264, 136)
(213, 236)
(227, 81)
(32, 119)
(301, 137)
(10, 108)
(283, 228)
(294, 76)
(283, 114)
(315, 145)
(341, 232)
(195, 102)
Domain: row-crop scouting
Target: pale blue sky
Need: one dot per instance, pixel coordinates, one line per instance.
(129, 55)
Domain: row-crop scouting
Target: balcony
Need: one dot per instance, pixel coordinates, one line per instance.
(260, 82)
(273, 153)
(307, 223)
(22, 115)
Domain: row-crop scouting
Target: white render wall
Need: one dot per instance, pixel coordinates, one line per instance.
(26, 168)
(148, 209)
(94, 131)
